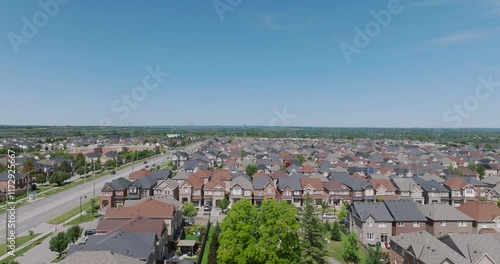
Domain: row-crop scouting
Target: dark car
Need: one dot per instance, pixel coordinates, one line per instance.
(145, 162)
(90, 232)
(113, 172)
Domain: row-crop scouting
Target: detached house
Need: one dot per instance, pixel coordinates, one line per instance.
(460, 191)
(442, 219)
(214, 191)
(313, 187)
(408, 189)
(486, 215)
(384, 189)
(371, 221)
(114, 193)
(191, 190)
(168, 188)
(240, 187)
(264, 188)
(290, 190)
(337, 193)
(407, 216)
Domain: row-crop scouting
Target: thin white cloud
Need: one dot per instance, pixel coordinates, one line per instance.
(450, 39)
(285, 20)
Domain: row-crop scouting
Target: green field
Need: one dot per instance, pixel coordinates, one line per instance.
(19, 242)
(206, 251)
(334, 250)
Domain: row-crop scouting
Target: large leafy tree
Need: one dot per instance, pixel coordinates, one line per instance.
(223, 204)
(65, 167)
(28, 166)
(268, 235)
(238, 239)
(351, 248)
(312, 240)
(59, 243)
(74, 233)
(188, 210)
(58, 178)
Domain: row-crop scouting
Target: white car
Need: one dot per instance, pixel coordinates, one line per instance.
(329, 216)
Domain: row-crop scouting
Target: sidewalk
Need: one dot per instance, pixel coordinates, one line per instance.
(41, 254)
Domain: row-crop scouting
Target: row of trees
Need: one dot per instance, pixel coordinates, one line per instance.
(59, 243)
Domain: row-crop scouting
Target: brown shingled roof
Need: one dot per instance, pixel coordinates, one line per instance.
(384, 182)
(480, 211)
(314, 182)
(138, 174)
(455, 183)
(149, 208)
(195, 182)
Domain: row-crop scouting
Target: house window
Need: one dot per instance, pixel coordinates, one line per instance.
(259, 193)
(416, 224)
(484, 225)
(133, 190)
(185, 189)
(167, 192)
(358, 194)
(483, 194)
(443, 223)
(498, 224)
(369, 224)
(370, 236)
(462, 224)
(288, 193)
(382, 225)
(469, 192)
(369, 192)
(456, 193)
(401, 224)
(269, 190)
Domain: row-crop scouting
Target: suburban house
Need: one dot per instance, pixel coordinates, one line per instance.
(408, 189)
(179, 157)
(240, 187)
(423, 248)
(337, 193)
(264, 188)
(371, 221)
(86, 257)
(191, 190)
(141, 246)
(477, 249)
(360, 190)
(138, 224)
(433, 191)
(145, 186)
(313, 187)
(290, 190)
(168, 188)
(114, 193)
(442, 219)
(138, 174)
(153, 209)
(406, 215)
(384, 189)
(460, 191)
(21, 180)
(214, 191)
(486, 215)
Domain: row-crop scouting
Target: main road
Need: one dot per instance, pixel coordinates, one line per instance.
(39, 211)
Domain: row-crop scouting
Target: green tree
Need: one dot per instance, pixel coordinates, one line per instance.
(28, 166)
(74, 233)
(65, 167)
(94, 207)
(312, 240)
(58, 178)
(212, 254)
(477, 168)
(59, 243)
(109, 164)
(188, 210)
(380, 199)
(301, 158)
(374, 255)
(343, 212)
(351, 248)
(223, 204)
(237, 239)
(335, 232)
(251, 169)
(40, 179)
(31, 233)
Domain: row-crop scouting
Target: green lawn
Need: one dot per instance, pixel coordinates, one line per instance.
(19, 242)
(26, 249)
(335, 249)
(206, 251)
(85, 219)
(68, 214)
(192, 237)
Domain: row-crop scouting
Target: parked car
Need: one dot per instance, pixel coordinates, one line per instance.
(147, 166)
(329, 216)
(207, 207)
(113, 172)
(145, 162)
(90, 232)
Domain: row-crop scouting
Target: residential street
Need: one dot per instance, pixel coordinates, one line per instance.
(38, 212)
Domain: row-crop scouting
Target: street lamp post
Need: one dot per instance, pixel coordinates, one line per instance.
(84, 197)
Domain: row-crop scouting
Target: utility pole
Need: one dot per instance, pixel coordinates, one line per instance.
(94, 177)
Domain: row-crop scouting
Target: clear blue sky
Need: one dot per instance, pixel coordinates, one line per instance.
(262, 55)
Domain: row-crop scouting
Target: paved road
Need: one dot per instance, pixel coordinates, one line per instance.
(40, 211)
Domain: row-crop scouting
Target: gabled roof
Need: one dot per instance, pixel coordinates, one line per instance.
(160, 174)
(213, 183)
(118, 184)
(455, 183)
(443, 212)
(377, 210)
(105, 256)
(262, 182)
(195, 182)
(138, 174)
(376, 183)
(404, 210)
(150, 208)
(313, 182)
(136, 245)
(137, 224)
(145, 182)
(242, 182)
(292, 182)
(354, 183)
(333, 185)
(480, 211)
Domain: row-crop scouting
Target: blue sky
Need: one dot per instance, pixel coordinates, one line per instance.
(260, 58)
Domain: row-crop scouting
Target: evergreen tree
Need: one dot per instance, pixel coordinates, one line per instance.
(374, 255)
(312, 241)
(351, 248)
(335, 233)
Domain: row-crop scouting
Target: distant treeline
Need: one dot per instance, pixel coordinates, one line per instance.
(485, 137)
